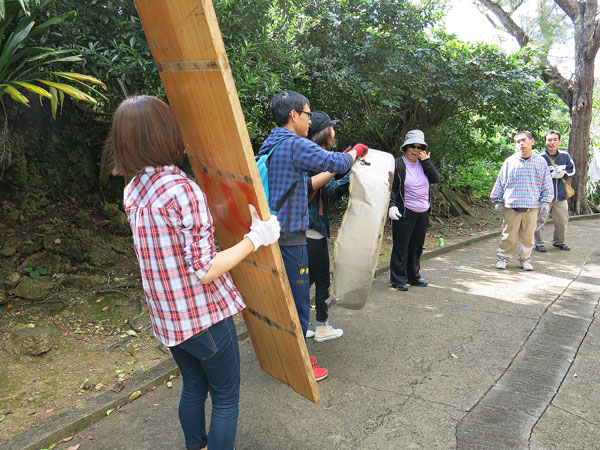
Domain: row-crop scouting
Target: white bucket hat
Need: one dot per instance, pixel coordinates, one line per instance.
(414, 137)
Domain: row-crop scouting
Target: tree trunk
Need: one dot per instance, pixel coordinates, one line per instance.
(579, 141)
(586, 48)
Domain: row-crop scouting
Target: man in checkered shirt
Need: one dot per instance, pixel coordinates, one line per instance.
(523, 188)
(289, 166)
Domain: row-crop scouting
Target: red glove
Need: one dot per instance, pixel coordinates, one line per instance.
(361, 150)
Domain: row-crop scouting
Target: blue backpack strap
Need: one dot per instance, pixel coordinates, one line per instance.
(263, 172)
(285, 196)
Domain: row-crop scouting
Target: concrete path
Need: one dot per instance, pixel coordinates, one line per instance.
(481, 358)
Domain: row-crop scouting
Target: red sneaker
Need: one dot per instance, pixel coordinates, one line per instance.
(319, 372)
(313, 360)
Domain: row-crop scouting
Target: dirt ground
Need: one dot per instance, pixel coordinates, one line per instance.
(104, 334)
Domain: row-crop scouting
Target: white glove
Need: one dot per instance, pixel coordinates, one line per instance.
(545, 208)
(262, 232)
(499, 206)
(558, 173)
(394, 213)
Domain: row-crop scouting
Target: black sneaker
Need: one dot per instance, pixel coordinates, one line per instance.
(400, 287)
(420, 282)
(540, 248)
(562, 247)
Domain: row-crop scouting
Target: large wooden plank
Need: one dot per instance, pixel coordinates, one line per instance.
(187, 46)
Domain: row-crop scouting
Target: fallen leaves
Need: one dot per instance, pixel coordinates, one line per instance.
(135, 395)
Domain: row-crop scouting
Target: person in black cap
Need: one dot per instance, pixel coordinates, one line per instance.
(323, 188)
(409, 210)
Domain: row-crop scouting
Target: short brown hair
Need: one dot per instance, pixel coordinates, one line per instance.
(324, 138)
(551, 132)
(144, 133)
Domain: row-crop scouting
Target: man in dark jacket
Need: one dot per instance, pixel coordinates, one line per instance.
(561, 168)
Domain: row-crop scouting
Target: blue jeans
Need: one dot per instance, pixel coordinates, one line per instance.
(295, 260)
(210, 362)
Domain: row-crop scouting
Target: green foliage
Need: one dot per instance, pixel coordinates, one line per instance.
(13, 5)
(480, 176)
(382, 66)
(27, 65)
(258, 37)
(110, 39)
(35, 272)
(379, 66)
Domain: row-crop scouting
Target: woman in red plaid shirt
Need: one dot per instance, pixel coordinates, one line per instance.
(189, 292)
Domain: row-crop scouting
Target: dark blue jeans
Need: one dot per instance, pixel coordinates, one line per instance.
(295, 260)
(210, 362)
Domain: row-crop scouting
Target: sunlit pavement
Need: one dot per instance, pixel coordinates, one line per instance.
(481, 358)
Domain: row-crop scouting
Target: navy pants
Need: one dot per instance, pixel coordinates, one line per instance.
(408, 238)
(210, 362)
(295, 260)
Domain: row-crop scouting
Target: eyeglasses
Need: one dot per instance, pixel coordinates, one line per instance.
(415, 146)
(308, 113)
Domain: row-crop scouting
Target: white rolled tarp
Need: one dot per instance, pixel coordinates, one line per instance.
(358, 243)
(593, 171)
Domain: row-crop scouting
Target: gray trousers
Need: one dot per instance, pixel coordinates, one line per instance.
(559, 211)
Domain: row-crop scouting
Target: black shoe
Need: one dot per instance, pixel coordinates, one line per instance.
(400, 287)
(540, 248)
(420, 282)
(562, 246)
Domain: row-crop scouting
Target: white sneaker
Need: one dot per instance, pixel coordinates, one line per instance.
(327, 332)
(310, 333)
(526, 265)
(501, 264)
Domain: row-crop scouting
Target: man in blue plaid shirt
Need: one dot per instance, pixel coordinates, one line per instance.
(523, 188)
(289, 166)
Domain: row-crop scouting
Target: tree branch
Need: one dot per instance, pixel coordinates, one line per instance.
(551, 74)
(570, 7)
(510, 25)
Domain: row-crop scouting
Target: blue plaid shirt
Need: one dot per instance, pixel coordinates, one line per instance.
(292, 160)
(523, 183)
(332, 190)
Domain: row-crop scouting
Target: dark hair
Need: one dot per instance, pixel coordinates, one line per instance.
(526, 133)
(324, 138)
(284, 103)
(552, 132)
(144, 133)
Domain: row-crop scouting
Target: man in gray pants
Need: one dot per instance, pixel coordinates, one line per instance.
(561, 168)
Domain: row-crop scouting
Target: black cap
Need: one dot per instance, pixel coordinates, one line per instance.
(319, 121)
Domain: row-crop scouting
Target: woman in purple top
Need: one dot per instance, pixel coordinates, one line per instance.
(409, 210)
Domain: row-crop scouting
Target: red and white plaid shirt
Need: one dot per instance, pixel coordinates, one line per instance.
(173, 239)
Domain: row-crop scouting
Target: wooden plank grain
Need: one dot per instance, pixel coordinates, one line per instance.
(188, 49)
